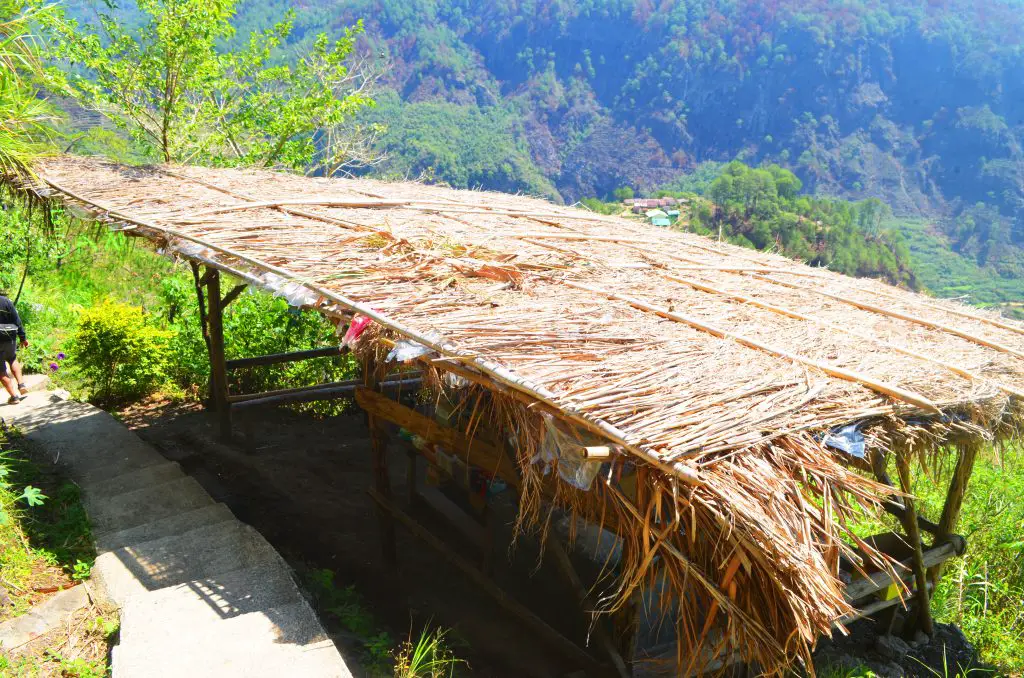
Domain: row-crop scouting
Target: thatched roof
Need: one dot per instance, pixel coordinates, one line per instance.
(716, 367)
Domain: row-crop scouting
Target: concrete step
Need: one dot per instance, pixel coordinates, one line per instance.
(137, 479)
(165, 527)
(207, 602)
(208, 551)
(280, 641)
(131, 509)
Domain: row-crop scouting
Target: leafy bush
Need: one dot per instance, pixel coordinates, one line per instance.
(118, 351)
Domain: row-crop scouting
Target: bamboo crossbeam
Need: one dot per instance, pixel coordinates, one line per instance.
(275, 358)
(953, 311)
(305, 394)
(790, 313)
(473, 451)
(981, 341)
(885, 388)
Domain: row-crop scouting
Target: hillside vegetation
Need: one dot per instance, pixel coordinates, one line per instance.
(915, 103)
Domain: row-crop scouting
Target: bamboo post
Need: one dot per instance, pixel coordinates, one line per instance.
(218, 368)
(381, 479)
(924, 613)
(954, 500)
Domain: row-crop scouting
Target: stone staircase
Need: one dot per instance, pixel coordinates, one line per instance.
(200, 593)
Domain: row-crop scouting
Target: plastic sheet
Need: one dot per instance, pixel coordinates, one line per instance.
(406, 350)
(355, 329)
(847, 439)
(560, 448)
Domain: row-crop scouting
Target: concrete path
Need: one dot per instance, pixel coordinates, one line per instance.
(200, 593)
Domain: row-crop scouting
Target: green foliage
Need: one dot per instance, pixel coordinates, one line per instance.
(763, 208)
(982, 591)
(347, 607)
(118, 351)
(428, 657)
(172, 88)
(464, 146)
(945, 273)
(42, 525)
(25, 118)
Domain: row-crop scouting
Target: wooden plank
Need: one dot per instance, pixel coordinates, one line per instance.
(877, 581)
(475, 452)
(218, 370)
(274, 358)
(308, 394)
(555, 639)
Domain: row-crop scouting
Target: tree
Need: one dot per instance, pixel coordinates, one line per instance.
(25, 118)
(170, 86)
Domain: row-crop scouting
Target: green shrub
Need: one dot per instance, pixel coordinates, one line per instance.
(118, 352)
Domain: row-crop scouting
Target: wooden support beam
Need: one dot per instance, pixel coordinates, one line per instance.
(328, 391)
(954, 500)
(204, 326)
(218, 371)
(924, 613)
(520, 611)
(232, 295)
(381, 479)
(274, 358)
(604, 641)
(473, 451)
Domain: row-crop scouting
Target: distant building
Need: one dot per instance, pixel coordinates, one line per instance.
(661, 221)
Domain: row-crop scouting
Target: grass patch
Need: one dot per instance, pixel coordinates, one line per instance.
(428, 655)
(46, 546)
(45, 537)
(79, 650)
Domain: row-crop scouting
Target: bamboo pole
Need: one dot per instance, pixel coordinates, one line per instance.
(981, 341)
(791, 313)
(954, 500)
(924, 613)
(885, 388)
(275, 358)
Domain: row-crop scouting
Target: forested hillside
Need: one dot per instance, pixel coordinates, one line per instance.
(920, 104)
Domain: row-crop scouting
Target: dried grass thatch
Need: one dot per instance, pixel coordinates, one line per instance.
(714, 367)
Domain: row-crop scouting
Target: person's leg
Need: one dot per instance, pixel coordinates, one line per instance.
(9, 385)
(6, 379)
(19, 378)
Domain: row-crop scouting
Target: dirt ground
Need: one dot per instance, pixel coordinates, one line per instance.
(302, 483)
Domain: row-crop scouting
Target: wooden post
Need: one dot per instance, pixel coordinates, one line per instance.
(924, 613)
(381, 479)
(204, 326)
(555, 639)
(218, 369)
(954, 500)
(571, 576)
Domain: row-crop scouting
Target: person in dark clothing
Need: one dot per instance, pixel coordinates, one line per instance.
(12, 333)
